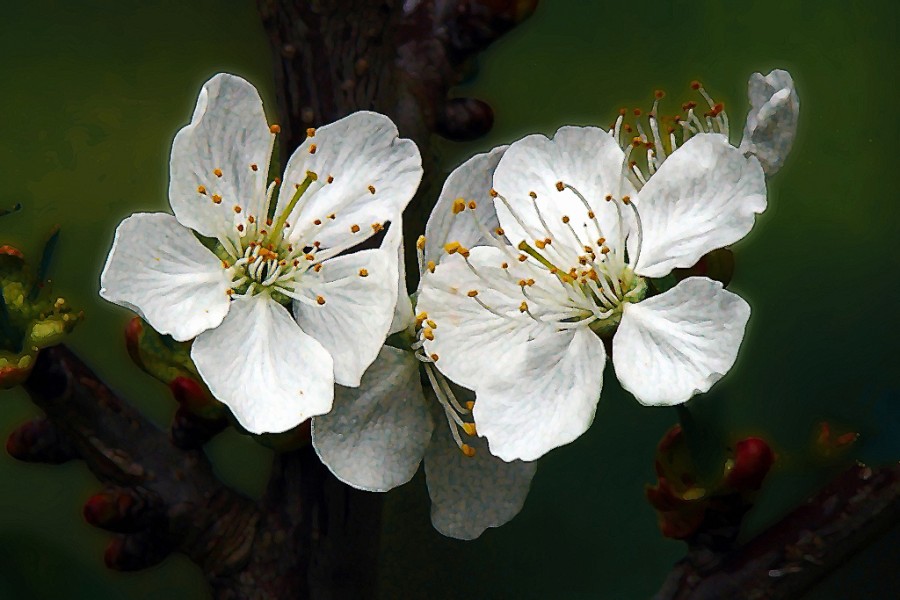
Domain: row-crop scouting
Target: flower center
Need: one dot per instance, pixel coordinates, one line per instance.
(653, 136)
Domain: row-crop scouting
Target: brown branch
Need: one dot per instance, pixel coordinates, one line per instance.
(801, 549)
(310, 536)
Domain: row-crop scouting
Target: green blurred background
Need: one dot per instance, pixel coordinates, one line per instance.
(93, 91)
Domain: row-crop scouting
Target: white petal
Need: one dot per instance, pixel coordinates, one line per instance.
(375, 436)
(358, 151)
(403, 310)
(772, 121)
(228, 132)
(354, 321)
(705, 196)
(159, 269)
(264, 368)
(471, 180)
(471, 494)
(547, 401)
(588, 159)
(469, 339)
(678, 344)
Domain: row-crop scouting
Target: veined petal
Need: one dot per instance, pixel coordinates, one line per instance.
(374, 174)
(588, 159)
(471, 494)
(159, 269)
(672, 346)
(468, 338)
(471, 181)
(356, 315)
(705, 196)
(545, 401)
(375, 435)
(212, 165)
(264, 368)
(772, 121)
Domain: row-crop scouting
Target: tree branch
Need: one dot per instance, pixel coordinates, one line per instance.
(801, 549)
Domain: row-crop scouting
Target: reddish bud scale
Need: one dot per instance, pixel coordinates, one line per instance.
(12, 376)
(190, 394)
(133, 332)
(753, 458)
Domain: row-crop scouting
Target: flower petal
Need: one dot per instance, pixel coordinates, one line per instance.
(588, 159)
(470, 181)
(355, 318)
(705, 196)
(469, 338)
(228, 134)
(361, 152)
(471, 494)
(404, 318)
(672, 346)
(264, 368)
(160, 270)
(375, 436)
(547, 400)
(772, 121)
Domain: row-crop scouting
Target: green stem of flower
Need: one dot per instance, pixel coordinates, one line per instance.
(282, 218)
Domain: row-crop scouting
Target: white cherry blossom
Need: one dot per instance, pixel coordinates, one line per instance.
(279, 306)
(525, 319)
(772, 121)
(377, 435)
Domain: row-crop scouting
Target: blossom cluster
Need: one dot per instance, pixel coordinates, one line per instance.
(539, 261)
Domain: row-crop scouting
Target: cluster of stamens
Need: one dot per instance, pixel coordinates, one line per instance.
(663, 134)
(260, 254)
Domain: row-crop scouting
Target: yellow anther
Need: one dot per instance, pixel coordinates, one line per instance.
(254, 167)
(591, 214)
(463, 251)
(354, 228)
(312, 175)
(434, 357)
(376, 227)
(310, 132)
(431, 323)
(541, 244)
(225, 264)
(472, 205)
(533, 195)
(530, 282)
(523, 307)
(201, 189)
(560, 186)
(469, 428)
(452, 247)
(522, 258)
(504, 265)
(470, 404)
(331, 216)
(237, 209)
(217, 172)
(229, 291)
(467, 450)
(459, 205)
(565, 219)
(420, 318)
(275, 129)
(472, 293)
(493, 193)
(499, 231)
(431, 266)
(371, 189)
(604, 250)
(320, 300)
(317, 267)
(269, 222)
(217, 199)
(296, 262)
(420, 242)
(251, 219)
(310, 257)
(330, 179)
(317, 222)
(626, 199)
(363, 273)
(608, 198)
(522, 283)
(312, 148)
(601, 241)
(428, 334)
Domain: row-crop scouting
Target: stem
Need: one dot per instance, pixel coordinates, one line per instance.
(282, 219)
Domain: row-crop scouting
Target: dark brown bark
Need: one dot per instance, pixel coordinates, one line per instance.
(801, 549)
